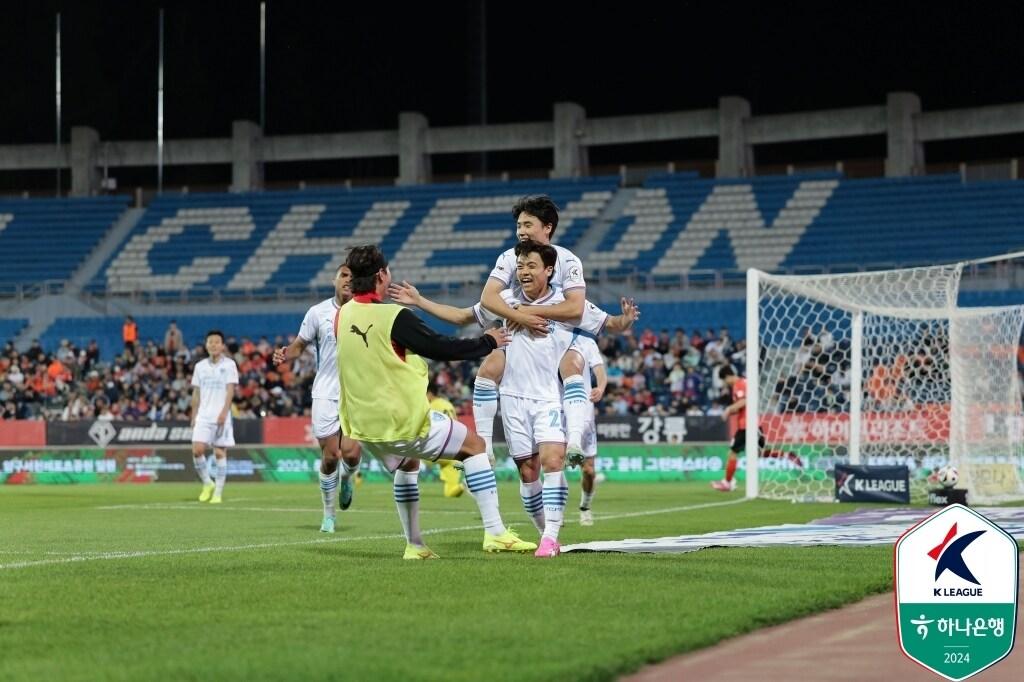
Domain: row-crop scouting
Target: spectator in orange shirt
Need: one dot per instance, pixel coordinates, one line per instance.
(130, 333)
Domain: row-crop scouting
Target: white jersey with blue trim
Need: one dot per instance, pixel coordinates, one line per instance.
(212, 381)
(567, 275)
(318, 328)
(531, 362)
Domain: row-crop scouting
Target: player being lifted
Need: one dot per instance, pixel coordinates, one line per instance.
(318, 328)
(213, 380)
(536, 219)
(532, 408)
(738, 386)
(384, 400)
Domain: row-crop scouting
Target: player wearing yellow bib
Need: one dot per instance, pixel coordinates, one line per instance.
(449, 475)
(384, 404)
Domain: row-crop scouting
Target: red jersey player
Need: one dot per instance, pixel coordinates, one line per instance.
(738, 386)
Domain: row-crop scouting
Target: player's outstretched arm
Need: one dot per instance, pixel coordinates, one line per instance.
(617, 324)
(407, 294)
(290, 352)
(409, 332)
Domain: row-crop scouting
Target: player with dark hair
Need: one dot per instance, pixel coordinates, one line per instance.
(384, 400)
(738, 386)
(318, 328)
(214, 380)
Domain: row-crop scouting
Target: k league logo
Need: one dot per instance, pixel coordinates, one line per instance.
(844, 485)
(956, 592)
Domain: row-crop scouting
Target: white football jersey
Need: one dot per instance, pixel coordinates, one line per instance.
(531, 362)
(318, 327)
(568, 273)
(212, 380)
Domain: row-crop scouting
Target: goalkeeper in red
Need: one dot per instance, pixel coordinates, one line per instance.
(738, 386)
(384, 400)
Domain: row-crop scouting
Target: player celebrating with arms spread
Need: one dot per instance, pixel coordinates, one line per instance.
(384, 400)
(214, 380)
(318, 327)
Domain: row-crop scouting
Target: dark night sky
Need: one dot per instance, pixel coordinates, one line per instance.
(355, 65)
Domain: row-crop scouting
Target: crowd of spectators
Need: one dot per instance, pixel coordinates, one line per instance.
(664, 374)
(648, 373)
(145, 380)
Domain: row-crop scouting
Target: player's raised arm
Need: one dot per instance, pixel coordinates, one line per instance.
(411, 333)
(407, 294)
(617, 324)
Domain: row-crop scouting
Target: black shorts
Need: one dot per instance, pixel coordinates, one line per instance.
(739, 441)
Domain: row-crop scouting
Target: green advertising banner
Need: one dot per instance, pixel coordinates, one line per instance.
(615, 462)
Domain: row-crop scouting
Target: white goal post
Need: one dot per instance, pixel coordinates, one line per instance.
(880, 368)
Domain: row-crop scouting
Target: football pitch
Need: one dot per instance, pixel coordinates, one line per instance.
(134, 582)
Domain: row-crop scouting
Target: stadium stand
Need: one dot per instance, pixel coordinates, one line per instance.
(809, 223)
(291, 240)
(9, 328)
(31, 227)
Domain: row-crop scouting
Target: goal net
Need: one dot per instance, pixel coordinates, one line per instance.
(880, 368)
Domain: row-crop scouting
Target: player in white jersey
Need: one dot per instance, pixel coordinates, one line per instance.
(214, 379)
(536, 219)
(531, 392)
(318, 330)
(587, 345)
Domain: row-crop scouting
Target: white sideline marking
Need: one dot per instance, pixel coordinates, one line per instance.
(83, 556)
(228, 548)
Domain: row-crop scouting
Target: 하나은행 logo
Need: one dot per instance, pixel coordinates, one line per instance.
(956, 579)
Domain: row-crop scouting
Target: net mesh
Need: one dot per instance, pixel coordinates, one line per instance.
(929, 383)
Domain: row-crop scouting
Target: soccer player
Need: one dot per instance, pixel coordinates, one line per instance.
(594, 363)
(594, 321)
(738, 386)
(449, 475)
(384, 400)
(318, 327)
(536, 220)
(214, 380)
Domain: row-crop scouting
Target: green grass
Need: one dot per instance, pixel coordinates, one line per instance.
(290, 603)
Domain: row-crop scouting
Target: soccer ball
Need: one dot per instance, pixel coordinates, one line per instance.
(948, 476)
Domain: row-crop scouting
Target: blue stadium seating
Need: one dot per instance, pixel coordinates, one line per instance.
(10, 328)
(267, 241)
(810, 222)
(52, 236)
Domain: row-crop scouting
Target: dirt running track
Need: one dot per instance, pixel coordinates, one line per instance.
(857, 642)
